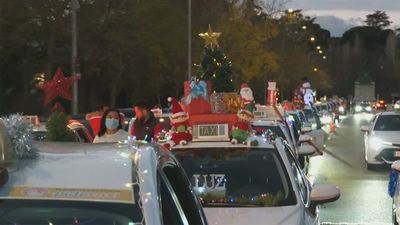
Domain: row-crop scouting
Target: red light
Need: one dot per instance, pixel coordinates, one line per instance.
(377, 105)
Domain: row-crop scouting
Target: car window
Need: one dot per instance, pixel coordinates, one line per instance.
(181, 186)
(45, 212)
(237, 177)
(298, 176)
(387, 123)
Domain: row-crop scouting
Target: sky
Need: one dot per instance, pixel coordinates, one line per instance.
(339, 15)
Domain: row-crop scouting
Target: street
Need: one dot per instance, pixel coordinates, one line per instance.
(364, 198)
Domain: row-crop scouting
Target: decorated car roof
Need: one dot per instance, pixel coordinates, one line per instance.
(261, 143)
(73, 171)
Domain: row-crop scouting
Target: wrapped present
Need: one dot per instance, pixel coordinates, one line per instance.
(196, 89)
(217, 103)
(233, 102)
(198, 106)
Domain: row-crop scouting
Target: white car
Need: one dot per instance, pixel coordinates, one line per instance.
(253, 184)
(397, 105)
(74, 183)
(382, 139)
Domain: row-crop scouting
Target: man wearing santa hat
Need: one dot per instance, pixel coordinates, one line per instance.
(181, 131)
(246, 94)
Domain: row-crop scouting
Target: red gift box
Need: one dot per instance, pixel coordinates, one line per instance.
(198, 106)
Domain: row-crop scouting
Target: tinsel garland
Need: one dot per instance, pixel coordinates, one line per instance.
(20, 132)
(394, 176)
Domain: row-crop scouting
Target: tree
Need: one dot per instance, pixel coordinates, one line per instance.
(378, 19)
(214, 65)
(57, 128)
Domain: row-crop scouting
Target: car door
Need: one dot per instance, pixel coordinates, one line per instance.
(304, 189)
(177, 188)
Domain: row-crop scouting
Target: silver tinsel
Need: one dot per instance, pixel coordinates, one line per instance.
(20, 132)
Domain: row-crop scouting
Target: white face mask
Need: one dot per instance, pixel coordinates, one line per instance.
(112, 123)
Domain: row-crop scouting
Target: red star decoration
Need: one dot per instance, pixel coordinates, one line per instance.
(58, 86)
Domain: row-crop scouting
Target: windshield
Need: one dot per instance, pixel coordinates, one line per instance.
(388, 123)
(42, 212)
(237, 177)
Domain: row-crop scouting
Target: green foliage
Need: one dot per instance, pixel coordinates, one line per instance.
(57, 129)
(216, 67)
(378, 20)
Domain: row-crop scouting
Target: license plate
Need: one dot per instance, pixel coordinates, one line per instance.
(397, 154)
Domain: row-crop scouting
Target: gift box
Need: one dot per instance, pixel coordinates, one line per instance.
(218, 105)
(198, 106)
(197, 89)
(233, 102)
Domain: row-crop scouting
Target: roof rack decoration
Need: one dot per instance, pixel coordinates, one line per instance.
(241, 131)
(18, 131)
(181, 131)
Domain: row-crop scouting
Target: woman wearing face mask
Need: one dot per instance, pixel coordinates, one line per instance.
(111, 128)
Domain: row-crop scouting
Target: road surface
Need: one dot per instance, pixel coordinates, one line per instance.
(364, 198)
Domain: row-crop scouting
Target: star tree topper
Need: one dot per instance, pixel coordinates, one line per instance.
(210, 37)
(58, 86)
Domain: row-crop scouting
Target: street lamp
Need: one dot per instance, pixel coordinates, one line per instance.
(74, 59)
(318, 47)
(315, 69)
(320, 51)
(304, 27)
(312, 38)
(324, 57)
(290, 10)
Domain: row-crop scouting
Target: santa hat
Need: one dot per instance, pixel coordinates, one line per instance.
(176, 108)
(248, 109)
(244, 85)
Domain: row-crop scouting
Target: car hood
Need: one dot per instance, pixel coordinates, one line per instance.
(287, 215)
(387, 136)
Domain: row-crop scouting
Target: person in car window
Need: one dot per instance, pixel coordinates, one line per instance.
(145, 126)
(111, 128)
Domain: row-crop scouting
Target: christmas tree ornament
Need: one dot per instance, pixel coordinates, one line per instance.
(181, 131)
(20, 132)
(241, 131)
(58, 87)
(210, 37)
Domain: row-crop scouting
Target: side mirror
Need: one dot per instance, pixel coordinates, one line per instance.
(324, 193)
(306, 150)
(365, 128)
(396, 165)
(304, 138)
(306, 129)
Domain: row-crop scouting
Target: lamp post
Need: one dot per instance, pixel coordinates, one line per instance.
(189, 75)
(74, 59)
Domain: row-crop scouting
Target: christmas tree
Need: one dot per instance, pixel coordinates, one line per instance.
(57, 128)
(214, 65)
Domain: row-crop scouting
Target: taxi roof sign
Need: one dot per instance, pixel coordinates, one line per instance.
(269, 112)
(210, 132)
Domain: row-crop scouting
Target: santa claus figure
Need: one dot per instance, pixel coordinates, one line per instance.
(242, 129)
(246, 94)
(308, 95)
(181, 131)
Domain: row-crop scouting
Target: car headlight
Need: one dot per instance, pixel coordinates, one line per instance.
(358, 108)
(368, 108)
(341, 109)
(396, 106)
(375, 143)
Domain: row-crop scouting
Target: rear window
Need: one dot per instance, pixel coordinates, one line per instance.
(388, 123)
(237, 177)
(45, 212)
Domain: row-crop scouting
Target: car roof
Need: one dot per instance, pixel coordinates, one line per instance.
(389, 113)
(262, 143)
(264, 122)
(77, 169)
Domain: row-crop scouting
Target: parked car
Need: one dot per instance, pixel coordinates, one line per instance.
(382, 139)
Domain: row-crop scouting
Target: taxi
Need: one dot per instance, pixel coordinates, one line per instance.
(74, 183)
(261, 182)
